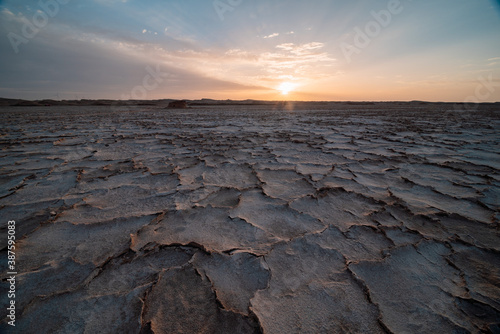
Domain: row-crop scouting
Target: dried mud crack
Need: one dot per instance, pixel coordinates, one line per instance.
(339, 219)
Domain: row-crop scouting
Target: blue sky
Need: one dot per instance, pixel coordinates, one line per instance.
(437, 50)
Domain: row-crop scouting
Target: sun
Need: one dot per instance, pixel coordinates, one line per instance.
(286, 87)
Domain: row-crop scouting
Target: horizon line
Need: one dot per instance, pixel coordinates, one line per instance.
(249, 99)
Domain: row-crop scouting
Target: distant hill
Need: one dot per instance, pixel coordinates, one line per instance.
(201, 102)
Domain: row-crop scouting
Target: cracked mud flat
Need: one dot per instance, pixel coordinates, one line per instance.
(336, 219)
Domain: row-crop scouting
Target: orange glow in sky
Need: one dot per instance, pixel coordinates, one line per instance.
(261, 49)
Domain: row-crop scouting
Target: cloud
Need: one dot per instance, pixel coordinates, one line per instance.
(289, 61)
(302, 49)
(9, 16)
(125, 55)
(7, 12)
(91, 68)
(272, 35)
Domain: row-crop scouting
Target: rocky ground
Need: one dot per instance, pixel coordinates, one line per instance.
(379, 218)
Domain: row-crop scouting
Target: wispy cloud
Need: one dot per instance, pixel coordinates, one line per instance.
(290, 61)
(302, 49)
(293, 62)
(272, 35)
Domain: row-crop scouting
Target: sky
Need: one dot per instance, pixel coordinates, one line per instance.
(321, 50)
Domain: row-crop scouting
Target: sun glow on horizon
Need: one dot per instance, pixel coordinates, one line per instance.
(286, 87)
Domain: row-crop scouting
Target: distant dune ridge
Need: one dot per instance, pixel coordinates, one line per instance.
(202, 102)
(252, 216)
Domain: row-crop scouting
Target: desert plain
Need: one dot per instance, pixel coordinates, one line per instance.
(286, 218)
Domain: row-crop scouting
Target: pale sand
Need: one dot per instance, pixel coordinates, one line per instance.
(339, 219)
